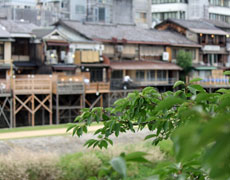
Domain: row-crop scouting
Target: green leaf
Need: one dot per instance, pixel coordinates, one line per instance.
(195, 80)
(85, 129)
(137, 157)
(197, 87)
(80, 132)
(178, 83)
(227, 73)
(119, 165)
(168, 103)
(150, 136)
(71, 126)
(104, 144)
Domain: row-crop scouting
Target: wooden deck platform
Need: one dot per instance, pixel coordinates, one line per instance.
(32, 93)
(36, 85)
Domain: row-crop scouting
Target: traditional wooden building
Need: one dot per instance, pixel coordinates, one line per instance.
(77, 65)
(144, 55)
(213, 56)
(5, 88)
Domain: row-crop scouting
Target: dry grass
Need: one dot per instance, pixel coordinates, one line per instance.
(21, 164)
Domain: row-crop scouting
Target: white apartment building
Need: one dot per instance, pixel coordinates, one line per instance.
(19, 3)
(190, 9)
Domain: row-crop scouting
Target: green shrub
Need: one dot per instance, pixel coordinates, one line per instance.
(80, 166)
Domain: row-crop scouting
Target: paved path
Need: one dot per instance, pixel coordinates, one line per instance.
(37, 133)
(60, 144)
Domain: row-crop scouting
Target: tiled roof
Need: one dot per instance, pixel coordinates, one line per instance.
(43, 31)
(197, 26)
(18, 27)
(129, 33)
(4, 33)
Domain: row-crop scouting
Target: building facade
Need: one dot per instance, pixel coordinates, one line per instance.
(190, 9)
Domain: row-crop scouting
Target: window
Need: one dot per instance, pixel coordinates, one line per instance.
(219, 17)
(151, 75)
(141, 17)
(165, 15)
(117, 74)
(140, 75)
(101, 14)
(212, 59)
(191, 51)
(21, 47)
(80, 9)
(96, 75)
(223, 3)
(168, 1)
(1, 51)
(161, 75)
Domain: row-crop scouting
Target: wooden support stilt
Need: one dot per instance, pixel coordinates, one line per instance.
(57, 109)
(14, 112)
(50, 110)
(101, 101)
(33, 112)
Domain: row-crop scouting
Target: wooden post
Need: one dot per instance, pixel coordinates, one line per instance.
(14, 111)
(43, 116)
(11, 112)
(33, 113)
(57, 108)
(51, 112)
(101, 101)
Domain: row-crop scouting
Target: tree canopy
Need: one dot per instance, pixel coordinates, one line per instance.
(196, 121)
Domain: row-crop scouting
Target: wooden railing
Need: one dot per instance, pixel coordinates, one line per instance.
(215, 81)
(36, 85)
(4, 86)
(70, 87)
(98, 87)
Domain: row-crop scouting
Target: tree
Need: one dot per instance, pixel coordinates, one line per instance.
(184, 60)
(197, 122)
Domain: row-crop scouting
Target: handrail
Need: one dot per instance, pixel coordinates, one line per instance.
(32, 85)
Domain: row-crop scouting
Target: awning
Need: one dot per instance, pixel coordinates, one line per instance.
(64, 67)
(205, 68)
(25, 65)
(4, 66)
(143, 65)
(65, 44)
(209, 31)
(99, 65)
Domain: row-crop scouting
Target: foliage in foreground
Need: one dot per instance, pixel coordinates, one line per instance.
(21, 164)
(198, 123)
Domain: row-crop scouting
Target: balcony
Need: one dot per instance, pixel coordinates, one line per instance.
(97, 87)
(212, 82)
(41, 84)
(136, 83)
(4, 87)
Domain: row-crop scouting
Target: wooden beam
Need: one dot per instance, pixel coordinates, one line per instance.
(23, 104)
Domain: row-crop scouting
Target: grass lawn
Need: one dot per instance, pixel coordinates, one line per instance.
(36, 128)
(46, 127)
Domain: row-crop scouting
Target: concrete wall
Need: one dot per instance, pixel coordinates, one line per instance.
(143, 6)
(197, 9)
(123, 11)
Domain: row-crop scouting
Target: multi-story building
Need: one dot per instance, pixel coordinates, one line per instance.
(214, 54)
(119, 12)
(19, 3)
(190, 9)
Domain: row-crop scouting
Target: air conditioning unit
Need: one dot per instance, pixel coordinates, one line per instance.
(165, 56)
(119, 48)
